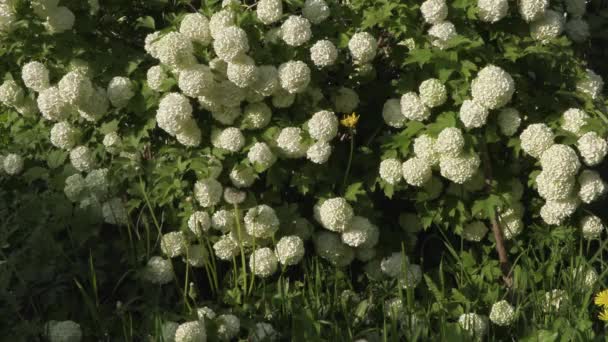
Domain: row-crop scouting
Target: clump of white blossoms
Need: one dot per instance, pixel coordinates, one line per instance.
(441, 33)
(263, 262)
(75, 88)
(554, 212)
(82, 159)
(361, 233)
(390, 170)
(7, 17)
(502, 313)
(345, 100)
(74, 185)
(226, 248)
(362, 47)
(578, 30)
(242, 177)
(196, 80)
(593, 148)
(434, 11)
(120, 91)
(291, 142)
(261, 221)
(591, 85)
(432, 92)
(531, 10)
(492, 11)
(391, 113)
(230, 43)
(63, 135)
(547, 27)
(59, 19)
(114, 212)
(323, 126)
(329, 246)
(290, 250)
(35, 76)
(295, 31)
(230, 139)
(242, 71)
(551, 187)
(573, 120)
(156, 77)
(335, 214)
(191, 332)
(476, 325)
(64, 331)
(256, 116)
(493, 87)
(323, 53)
(199, 222)
(11, 93)
(173, 244)
(208, 192)
(316, 11)
(158, 271)
(174, 112)
(269, 11)
(461, 168)
(228, 327)
(392, 265)
(472, 114)
(560, 161)
(413, 108)
(450, 142)
(592, 227)
(536, 139)
(592, 186)
(294, 76)
(261, 155)
(319, 152)
(416, 171)
(51, 104)
(195, 26)
(474, 231)
(424, 148)
(509, 121)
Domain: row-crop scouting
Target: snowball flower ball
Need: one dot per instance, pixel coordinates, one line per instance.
(316, 11)
(256, 116)
(551, 187)
(390, 171)
(434, 11)
(35, 76)
(173, 244)
(223, 220)
(536, 139)
(502, 313)
(413, 108)
(120, 91)
(591, 186)
(242, 71)
(190, 135)
(294, 76)
(226, 248)
(158, 271)
(335, 214)
(391, 113)
(592, 227)
(60, 19)
(263, 262)
(473, 114)
(174, 111)
(64, 331)
(51, 104)
(174, 50)
(261, 155)
(261, 221)
(323, 125)
(220, 20)
(509, 121)
(531, 10)
(591, 85)
(323, 53)
(476, 325)
(492, 11)
(269, 11)
(547, 27)
(199, 222)
(578, 30)
(267, 82)
(474, 231)
(459, 169)
(10, 93)
(63, 135)
(234, 196)
(573, 120)
(441, 33)
(114, 212)
(230, 139)
(329, 247)
(593, 148)
(345, 100)
(291, 143)
(493, 87)
(319, 152)
(432, 93)
(196, 80)
(554, 212)
(208, 192)
(242, 176)
(74, 185)
(228, 327)
(424, 148)
(156, 77)
(195, 26)
(450, 142)
(75, 88)
(191, 332)
(362, 47)
(230, 43)
(560, 161)
(295, 31)
(416, 171)
(82, 158)
(361, 233)
(290, 250)
(392, 265)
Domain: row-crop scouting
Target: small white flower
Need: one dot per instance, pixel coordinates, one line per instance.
(591, 85)
(261, 155)
(199, 223)
(509, 121)
(592, 227)
(221, 20)
(230, 139)
(319, 152)
(476, 325)
(390, 171)
(82, 159)
(323, 125)
(363, 46)
(413, 108)
(536, 139)
(195, 26)
(432, 93)
(295, 31)
(120, 91)
(173, 244)
(263, 262)
(63, 135)
(230, 43)
(416, 171)
(492, 11)
(242, 71)
(335, 214)
(242, 176)
(208, 192)
(391, 113)
(361, 233)
(269, 11)
(228, 326)
(441, 33)
(191, 332)
(35, 76)
(434, 11)
(424, 148)
(459, 169)
(174, 112)
(547, 27)
(261, 221)
(290, 250)
(555, 212)
(64, 331)
(573, 120)
(592, 186)
(291, 143)
(593, 148)
(531, 10)
(158, 271)
(294, 76)
(560, 161)
(493, 87)
(196, 80)
(450, 142)
(473, 114)
(316, 11)
(226, 248)
(323, 53)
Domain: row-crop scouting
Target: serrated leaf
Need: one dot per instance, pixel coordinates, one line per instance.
(353, 191)
(56, 158)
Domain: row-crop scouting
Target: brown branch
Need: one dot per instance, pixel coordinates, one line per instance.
(503, 257)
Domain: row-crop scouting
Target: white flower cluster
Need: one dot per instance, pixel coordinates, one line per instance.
(191, 332)
(58, 18)
(64, 331)
(492, 11)
(416, 107)
(398, 266)
(531, 10)
(174, 116)
(323, 53)
(493, 88)
(7, 17)
(158, 271)
(363, 47)
(475, 325)
(592, 85)
(548, 26)
(502, 313)
(322, 127)
(592, 227)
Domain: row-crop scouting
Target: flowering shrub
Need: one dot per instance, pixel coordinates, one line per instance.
(251, 170)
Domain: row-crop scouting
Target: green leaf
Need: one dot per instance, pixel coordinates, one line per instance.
(353, 191)
(56, 158)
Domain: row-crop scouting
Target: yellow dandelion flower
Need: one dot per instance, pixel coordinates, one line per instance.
(602, 299)
(603, 315)
(350, 121)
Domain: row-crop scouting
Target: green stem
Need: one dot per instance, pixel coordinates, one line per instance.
(243, 261)
(350, 160)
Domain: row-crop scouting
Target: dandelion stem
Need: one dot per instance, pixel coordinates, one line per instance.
(350, 160)
(242, 250)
